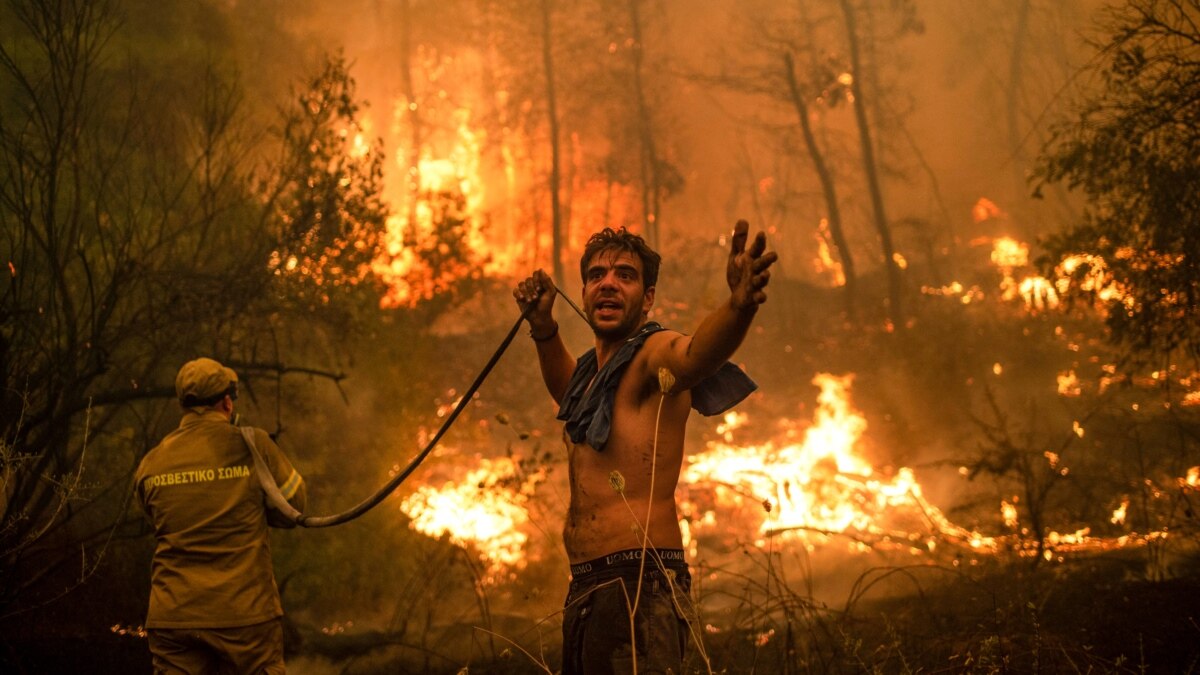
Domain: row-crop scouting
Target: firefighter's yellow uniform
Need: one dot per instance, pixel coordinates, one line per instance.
(213, 596)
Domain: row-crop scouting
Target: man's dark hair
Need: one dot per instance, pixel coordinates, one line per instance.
(622, 240)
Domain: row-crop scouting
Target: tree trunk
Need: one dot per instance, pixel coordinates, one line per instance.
(828, 189)
(412, 185)
(895, 309)
(552, 113)
(649, 156)
(1013, 96)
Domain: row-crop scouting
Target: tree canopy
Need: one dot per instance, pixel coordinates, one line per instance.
(142, 223)
(1132, 147)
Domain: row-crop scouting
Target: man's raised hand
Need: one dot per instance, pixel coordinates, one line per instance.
(748, 270)
(537, 291)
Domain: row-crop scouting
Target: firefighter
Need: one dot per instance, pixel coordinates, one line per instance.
(214, 604)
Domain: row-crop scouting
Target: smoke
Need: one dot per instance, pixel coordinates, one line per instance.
(959, 95)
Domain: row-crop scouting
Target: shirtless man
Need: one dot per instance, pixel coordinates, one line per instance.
(626, 405)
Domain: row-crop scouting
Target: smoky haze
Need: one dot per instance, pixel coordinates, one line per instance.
(960, 94)
(957, 96)
(918, 406)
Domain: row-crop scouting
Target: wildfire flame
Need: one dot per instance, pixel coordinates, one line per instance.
(826, 265)
(805, 487)
(1086, 272)
(450, 190)
(809, 484)
(819, 484)
(815, 483)
(484, 510)
(440, 231)
(985, 209)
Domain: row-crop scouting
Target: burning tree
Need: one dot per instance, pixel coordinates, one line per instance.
(1131, 149)
(325, 204)
(547, 64)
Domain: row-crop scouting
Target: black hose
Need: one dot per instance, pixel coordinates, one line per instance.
(372, 501)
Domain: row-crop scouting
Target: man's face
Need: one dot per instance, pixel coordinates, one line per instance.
(615, 298)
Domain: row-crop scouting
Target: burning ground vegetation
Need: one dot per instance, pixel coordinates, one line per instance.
(995, 496)
(989, 490)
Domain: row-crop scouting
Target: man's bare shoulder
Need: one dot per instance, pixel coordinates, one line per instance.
(662, 339)
(658, 343)
(654, 354)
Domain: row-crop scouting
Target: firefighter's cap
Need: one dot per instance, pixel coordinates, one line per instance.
(203, 381)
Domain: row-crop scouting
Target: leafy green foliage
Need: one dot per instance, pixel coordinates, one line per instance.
(135, 235)
(326, 207)
(1133, 149)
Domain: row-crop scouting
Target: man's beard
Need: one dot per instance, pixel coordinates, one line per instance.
(626, 328)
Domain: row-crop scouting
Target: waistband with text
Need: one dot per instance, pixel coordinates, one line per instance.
(672, 558)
